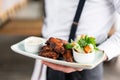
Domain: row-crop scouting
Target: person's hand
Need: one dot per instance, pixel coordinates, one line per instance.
(105, 57)
(61, 68)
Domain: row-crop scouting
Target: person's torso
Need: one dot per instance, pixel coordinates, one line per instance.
(96, 18)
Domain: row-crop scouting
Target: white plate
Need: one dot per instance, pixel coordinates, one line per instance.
(19, 48)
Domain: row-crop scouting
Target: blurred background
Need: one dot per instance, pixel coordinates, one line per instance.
(20, 19)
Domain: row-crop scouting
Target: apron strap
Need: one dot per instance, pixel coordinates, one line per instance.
(76, 20)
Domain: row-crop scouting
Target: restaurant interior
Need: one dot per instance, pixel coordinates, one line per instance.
(20, 19)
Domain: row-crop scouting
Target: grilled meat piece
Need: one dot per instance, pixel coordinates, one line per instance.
(68, 56)
(46, 48)
(49, 54)
(56, 44)
(63, 41)
(55, 49)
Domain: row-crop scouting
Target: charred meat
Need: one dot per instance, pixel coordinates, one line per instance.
(54, 48)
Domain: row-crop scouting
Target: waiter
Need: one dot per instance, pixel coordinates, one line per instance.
(67, 19)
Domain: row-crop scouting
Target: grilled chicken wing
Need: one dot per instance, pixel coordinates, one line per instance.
(56, 44)
(54, 48)
(49, 54)
(68, 56)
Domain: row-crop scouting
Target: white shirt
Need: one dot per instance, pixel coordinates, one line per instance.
(97, 19)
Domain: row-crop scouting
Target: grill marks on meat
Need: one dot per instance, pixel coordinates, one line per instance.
(56, 44)
(54, 48)
(49, 54)
(47, 51)
(46, 48)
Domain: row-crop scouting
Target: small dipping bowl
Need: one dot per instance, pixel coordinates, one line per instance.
(33, 44)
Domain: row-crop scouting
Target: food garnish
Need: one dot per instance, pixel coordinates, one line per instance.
(83, 44)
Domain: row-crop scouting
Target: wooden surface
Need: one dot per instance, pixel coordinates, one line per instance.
(22, 27)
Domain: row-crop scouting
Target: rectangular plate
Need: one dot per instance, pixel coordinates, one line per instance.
(19, 48)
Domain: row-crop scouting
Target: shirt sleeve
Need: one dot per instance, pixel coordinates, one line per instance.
(116, 4)
(111, 46)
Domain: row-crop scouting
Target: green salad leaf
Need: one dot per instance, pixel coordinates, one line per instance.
(68, 46)
(86, 41)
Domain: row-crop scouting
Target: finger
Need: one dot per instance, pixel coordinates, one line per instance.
(78, 69)
(59, 67)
